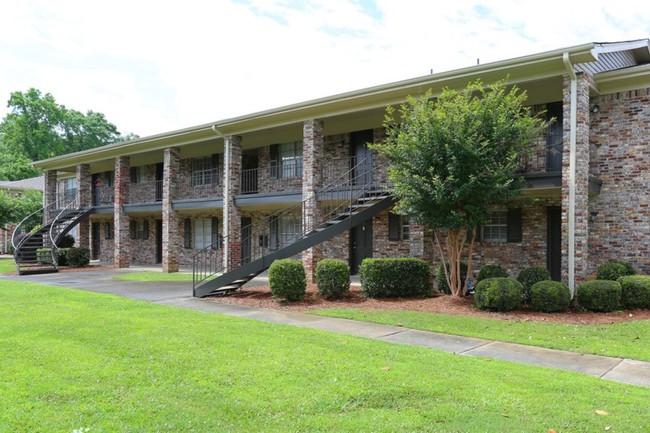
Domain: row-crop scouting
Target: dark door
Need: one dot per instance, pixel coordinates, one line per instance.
(249, 172)
(96, 232)
(362, 156)
(160, 170)
(96, 189)
(360, 245)
(159, 241)
(554, 241)
(246, 239)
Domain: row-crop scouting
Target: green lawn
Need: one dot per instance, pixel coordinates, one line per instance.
(153, 276)
(624, 340)
(7, 265)
(73, 359)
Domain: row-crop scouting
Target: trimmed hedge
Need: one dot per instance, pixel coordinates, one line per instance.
(287, 279)
(44, 256)
(498, 294)
(399, 277)
(75, 257)
(599, 295)
(635, 291)
(550, 296)
(613, 270)
(441, 280)
(492, 271)
(332, 278)
(532, 275)
(67, 241)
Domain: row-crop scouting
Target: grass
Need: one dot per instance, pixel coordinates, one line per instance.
(7, 265)
(151, 276)
(624, 340)
(79, 360)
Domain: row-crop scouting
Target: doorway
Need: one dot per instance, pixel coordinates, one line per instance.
(95, 233)
(249, 172)
(360, 245)
(361, 159)
(554, 241)
(159, 241)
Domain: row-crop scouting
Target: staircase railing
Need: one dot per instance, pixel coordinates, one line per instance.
(339, 195)
(21, 234)
(56, 230)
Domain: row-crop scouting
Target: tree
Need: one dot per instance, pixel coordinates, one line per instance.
(453, 158)
(38, 128)
(13, 209)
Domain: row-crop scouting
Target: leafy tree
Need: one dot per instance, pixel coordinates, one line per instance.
(14, 209)
(38, 128)
(454, 157)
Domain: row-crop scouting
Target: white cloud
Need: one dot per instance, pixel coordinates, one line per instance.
(151, 67)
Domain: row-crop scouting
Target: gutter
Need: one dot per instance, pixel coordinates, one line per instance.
(572, 173)
(226, 201)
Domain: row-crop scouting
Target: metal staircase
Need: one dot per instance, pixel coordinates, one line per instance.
(355, 197)
(27, 240)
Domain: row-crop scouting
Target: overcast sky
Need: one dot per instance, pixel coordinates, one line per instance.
(157, 66)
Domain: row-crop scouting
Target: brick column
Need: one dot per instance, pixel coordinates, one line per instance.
(122, 236)
(83, 200)
(312, 158)
(49, 195)
(231, 213)
(581, 181)
(171, 239)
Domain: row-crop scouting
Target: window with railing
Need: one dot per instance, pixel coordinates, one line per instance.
(284, 230)
(205, 170)
(286, 160)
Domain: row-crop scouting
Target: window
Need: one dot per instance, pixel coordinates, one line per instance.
(554, 137)
(109, 230)
(286, 160)
(200, 233)
(138, 174)
(109, 178)
(139, 229)
(504, 226)
(284, 230)
(399, 227)
(204, 170)
(67, 191)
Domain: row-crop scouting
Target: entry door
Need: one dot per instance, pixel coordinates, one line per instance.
(246, 240)
(362, 156)
(360, 245)
(159, 241)
(96, 232)
(554, 242)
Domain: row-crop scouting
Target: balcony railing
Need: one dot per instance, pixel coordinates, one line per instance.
(103, 195)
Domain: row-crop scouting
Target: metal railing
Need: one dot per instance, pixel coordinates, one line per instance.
(336, 199)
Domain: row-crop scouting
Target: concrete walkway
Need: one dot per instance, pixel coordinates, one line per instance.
(179, 294)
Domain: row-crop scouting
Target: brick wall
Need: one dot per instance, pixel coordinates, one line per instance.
(620, 135)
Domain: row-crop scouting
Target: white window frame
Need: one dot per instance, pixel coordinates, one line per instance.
(203, 171)
(290, 155)
(201, 233)
(497, 230)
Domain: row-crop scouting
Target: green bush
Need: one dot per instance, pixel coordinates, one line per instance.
(441, 280)
(332, 278)
(532, 275)
(44, 256)
(599, 295)
(492, 271)
(395, 277)
(635, 291)
(287, 279)
(498, 294)
(550, 296)
(67, 241)
(74, 257)
(613, 270)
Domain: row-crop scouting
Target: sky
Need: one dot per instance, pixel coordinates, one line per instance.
(157, 66)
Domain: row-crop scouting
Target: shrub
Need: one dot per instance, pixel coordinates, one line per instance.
(613, 270)
(67, 241)
(550, 296)
(441, 280)
(44, 256)
(635, 291)
(498, 294)
(492, 271)
(75, 257)
(599, 295)
(395, 277)
(332, 278)
(287, 279)
(532, 275)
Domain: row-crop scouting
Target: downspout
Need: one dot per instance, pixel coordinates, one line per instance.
(571, 211)
(226, 188)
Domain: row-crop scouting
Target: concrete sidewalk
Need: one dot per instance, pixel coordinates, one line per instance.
(179, 294)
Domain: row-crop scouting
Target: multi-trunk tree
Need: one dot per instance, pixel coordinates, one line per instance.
(454, 157)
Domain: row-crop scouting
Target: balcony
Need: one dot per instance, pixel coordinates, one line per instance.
(146, 192)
